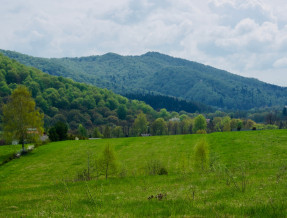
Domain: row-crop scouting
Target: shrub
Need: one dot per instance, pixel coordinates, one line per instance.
(201, 155)
(155, 167)
(123, 171)
(201, 131)
(83, 175)
(162, 171)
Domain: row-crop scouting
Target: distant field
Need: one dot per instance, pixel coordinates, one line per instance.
(247, 178)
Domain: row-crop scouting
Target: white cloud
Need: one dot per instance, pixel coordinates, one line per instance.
(245, 37)
(281, 63)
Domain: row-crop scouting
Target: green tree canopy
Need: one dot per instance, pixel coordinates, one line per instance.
(97, 133)
(20, 118)
(159, 127)
(199, 123)
(122, 112)
(140, 124)
(82, 131)
(58, 132)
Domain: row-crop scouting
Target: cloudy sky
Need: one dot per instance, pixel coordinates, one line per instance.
(246, 37)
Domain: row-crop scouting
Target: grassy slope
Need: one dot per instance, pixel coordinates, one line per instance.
(40, 184)
(6, 152)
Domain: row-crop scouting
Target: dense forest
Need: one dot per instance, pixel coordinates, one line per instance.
(170, 103)
(164, 75)
(75, 103)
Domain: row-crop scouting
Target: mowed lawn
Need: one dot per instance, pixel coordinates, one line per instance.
(247, 178)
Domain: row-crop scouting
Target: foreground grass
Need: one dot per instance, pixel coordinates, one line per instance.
(247, 177)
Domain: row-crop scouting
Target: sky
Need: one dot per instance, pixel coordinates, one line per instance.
(245, 37)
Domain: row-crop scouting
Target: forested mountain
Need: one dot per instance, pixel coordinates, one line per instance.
(62, 99)
(165, 75)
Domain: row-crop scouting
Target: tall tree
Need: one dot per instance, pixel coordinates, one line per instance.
(82, 131)
(21, 119)
(159, 127)
(199, 123)
(97, 133)
(140, 124)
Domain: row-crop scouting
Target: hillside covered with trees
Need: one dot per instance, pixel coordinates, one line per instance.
(165, 75)
(75, 103)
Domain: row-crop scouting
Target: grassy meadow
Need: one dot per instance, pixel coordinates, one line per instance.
(247, 177)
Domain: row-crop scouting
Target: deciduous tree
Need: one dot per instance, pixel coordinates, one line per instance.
(159, 127)
(58, 132)
(107, 162)
(140, 124)
(21, 119)
(199, 123)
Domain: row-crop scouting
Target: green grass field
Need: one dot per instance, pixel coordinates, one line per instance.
(247, 178)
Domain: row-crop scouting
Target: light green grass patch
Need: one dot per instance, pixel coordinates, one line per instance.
(247, 177)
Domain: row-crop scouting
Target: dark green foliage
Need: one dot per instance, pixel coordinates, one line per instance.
(160, 74)
(62, 130)
(122, 112)
(170, 103)
(163, 171)
(58, 132)
(284, 111)
(53, 136)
